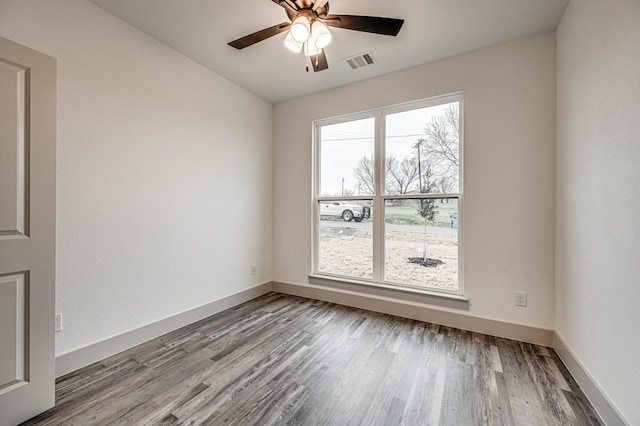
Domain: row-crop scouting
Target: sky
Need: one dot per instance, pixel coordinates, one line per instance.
(343, 144)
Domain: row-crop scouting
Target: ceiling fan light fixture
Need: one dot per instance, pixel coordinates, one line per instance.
(291, 44)
(307, 22)
(320, 35)
(300, 29)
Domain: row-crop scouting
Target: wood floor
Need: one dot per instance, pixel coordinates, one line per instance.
(286, 360)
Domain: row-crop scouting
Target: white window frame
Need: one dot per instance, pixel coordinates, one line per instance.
(380, 196)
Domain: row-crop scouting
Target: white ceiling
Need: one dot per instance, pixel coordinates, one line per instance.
(433, 29)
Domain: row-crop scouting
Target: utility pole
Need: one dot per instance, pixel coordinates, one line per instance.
(343, 187)
(419, 164)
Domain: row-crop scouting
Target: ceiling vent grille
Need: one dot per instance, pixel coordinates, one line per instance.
(360, 60)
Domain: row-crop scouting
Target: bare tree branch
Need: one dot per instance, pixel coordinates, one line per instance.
(441, 148)
(365, 176)
(401, 174)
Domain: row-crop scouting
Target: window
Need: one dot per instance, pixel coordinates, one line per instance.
(388, 196)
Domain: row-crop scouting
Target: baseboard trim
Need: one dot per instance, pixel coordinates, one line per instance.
(71, 361)
(608, 413)
(418, 311)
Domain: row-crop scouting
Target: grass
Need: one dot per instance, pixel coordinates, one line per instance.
(408, 214)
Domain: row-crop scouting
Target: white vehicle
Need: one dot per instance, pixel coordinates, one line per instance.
(345, 210)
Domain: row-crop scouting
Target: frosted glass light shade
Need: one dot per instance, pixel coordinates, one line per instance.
(320, 35)
(300, 29)
(291, 44)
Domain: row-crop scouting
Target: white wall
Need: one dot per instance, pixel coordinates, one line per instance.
(163, 177)
(598, 197)
(509, 95)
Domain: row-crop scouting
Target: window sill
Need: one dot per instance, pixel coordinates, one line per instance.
(403, 294)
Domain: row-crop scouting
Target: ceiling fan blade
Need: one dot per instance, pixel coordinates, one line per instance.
(319, 61)
(287, 4)
(369, 24)
(258, 36)
(317, 4)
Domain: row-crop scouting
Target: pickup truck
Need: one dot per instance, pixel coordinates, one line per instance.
(345, 210)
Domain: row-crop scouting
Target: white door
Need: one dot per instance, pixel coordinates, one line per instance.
(27, 231)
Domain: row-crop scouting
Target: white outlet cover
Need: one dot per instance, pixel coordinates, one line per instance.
(521, 298)
(58, 326)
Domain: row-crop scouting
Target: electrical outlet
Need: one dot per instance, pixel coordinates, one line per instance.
(58, 323)
(253, 269)
(521, 298)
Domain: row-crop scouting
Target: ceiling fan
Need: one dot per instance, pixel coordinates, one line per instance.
(308, 32)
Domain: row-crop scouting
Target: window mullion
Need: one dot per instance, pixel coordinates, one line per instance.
(316, 160)
(378, 202)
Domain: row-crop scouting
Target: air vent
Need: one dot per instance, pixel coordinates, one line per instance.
(360, 60)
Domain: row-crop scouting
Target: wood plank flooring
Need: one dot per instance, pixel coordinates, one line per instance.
(284, 360)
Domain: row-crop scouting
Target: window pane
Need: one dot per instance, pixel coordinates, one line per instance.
(421, 242)
(346, 238)
(422, 149)
(346, 158)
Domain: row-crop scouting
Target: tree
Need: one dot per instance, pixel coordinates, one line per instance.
(427, 207)
(443, 136)
(365, 176)
(401, 174)
(441, 146)
(445, 185)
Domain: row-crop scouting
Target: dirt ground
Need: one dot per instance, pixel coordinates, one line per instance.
(350, 251)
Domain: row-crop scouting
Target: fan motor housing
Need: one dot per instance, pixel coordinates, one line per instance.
(307, 10)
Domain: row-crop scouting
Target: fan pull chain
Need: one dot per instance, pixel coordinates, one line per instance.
(311, 59)
(306, 61)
